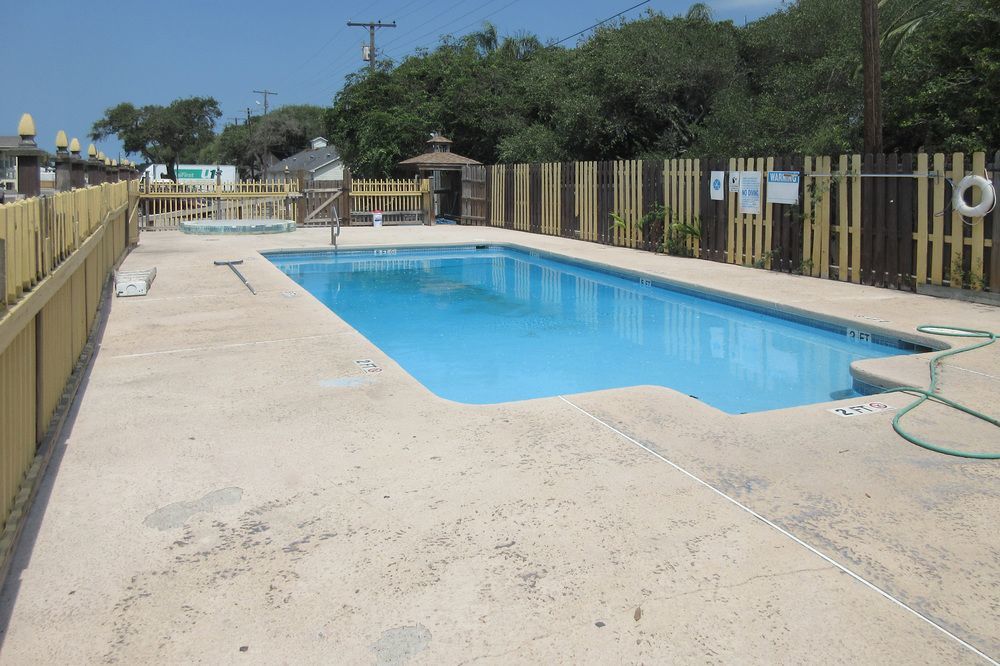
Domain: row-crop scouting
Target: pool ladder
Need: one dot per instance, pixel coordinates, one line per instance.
(334, 226)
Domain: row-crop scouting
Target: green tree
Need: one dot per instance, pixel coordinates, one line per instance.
(797, 87)
(281, 133)
(668, 86)
(161, 134)
(942, 92)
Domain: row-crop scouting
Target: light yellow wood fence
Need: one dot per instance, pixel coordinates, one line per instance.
(56, 253)
(391, 196)
(164, 205)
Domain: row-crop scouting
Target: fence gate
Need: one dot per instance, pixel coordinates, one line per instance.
(473, 194)
(320, 197)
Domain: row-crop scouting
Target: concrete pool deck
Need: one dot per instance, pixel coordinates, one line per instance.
(232, 488)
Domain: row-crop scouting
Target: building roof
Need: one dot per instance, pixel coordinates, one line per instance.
(9, 142)
(309, 160)
(439, 161)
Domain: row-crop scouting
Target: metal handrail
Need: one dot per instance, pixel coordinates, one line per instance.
(334, 225)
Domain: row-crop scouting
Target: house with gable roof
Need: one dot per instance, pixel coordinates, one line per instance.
(320, 161)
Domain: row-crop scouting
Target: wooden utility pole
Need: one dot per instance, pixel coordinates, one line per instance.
(372, 27)
(872, 73)
(265, 93)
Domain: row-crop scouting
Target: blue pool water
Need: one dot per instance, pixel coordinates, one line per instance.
(498, 324)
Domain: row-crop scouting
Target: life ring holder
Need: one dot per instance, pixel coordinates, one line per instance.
(986, 204)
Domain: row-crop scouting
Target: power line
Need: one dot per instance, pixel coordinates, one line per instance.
(456, 20)
(483, 18)
(308, 80)
(340, 72)
(400, 17)
(328, 78)
(624, 11)
(433, 18)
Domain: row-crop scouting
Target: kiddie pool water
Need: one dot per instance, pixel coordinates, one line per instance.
(498, 324)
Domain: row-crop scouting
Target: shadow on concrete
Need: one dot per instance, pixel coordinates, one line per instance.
(25, 545)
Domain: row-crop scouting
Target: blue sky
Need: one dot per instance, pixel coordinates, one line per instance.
(148, 52)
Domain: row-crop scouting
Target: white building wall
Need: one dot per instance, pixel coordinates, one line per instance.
(332, 171)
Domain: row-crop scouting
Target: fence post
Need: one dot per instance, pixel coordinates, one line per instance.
(995, 249)
(428, 201)
(218, 191)
(345, 198)
(64, 163)
(95, 168)
(300, 211)
(28, 177)
(132, 223)
(77, 175)
(3, 273)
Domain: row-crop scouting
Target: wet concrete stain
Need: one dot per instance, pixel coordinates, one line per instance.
(344, 382)
(397, 646)
(175, 515)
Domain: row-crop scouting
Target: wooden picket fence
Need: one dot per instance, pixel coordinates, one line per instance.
(883, 220)
(400, 201)
(165, 205)
(56, 253)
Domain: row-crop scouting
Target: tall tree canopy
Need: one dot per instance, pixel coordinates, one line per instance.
(658, 86)
(161, 134)
(687, 85)
(281, 133)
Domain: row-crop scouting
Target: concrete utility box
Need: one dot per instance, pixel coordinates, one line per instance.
(133, 283)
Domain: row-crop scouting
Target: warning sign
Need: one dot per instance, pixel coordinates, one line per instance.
(750, 193)
(783, 187)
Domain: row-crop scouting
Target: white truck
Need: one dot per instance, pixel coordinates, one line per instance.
(194, 174)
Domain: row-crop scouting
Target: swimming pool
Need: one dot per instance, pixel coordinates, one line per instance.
(489, 324)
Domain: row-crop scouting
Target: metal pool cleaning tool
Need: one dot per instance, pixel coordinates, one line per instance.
(930, 393)
(232, 267)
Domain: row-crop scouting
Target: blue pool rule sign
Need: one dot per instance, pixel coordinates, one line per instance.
(783, 187)
(718, 194)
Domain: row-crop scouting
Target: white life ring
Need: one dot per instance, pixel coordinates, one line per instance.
(985, 190)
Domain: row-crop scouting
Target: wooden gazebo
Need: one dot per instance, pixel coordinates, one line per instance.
(444, 168)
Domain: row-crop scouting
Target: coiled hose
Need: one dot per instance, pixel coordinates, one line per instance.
(931, 392)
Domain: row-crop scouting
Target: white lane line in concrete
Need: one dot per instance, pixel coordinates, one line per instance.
(975, 372)
(214, 347)
(186, 297)
(788, 534)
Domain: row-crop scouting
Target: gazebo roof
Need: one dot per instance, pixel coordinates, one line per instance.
(439, 138)
(438, 161)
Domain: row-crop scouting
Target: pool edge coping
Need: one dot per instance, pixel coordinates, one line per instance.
(866, 381)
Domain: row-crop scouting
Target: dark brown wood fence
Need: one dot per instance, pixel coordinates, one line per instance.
(883, 220)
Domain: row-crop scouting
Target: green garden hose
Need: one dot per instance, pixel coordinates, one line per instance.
(931, 392)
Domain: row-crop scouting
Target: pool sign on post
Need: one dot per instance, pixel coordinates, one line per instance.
(716, 188)
(783, 187)
(734, 181)
(376, 218)
(750, 193)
